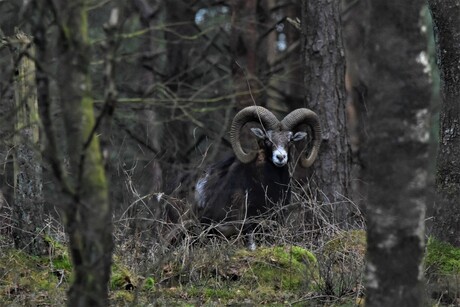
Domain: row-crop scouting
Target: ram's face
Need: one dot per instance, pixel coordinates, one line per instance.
(277, 143)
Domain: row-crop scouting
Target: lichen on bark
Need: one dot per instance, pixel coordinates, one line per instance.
(28, 176)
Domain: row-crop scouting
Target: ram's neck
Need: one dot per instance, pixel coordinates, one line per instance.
(266, 172)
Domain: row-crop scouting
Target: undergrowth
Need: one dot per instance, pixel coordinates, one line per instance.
(442, 263)
(301, 259)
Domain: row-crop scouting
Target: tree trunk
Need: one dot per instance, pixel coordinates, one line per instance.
(150, 118)
(294, 87)
(354, 25)
(177, 134)
(249, 52)
(9, 20)
(145, 224)
(76, 161)
(28, 210)
(324, 77)
(88, 215)
(396, 153)
(446, 222)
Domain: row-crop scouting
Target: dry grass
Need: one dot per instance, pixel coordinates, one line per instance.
(184, 263)
(180, 263)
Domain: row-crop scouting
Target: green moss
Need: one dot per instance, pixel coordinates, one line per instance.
(442, 261)
(29, 278)
(283, 268)
(225, 294)
(303, 255)
(149, 283)
(231, 276)
(120, 277)
(222, 294)
(62, 262)
(95, 175)
(59, 255)
(54, 244)
(441, 257)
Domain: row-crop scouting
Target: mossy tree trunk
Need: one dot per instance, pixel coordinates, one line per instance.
(324, 80)
(28, 212)
(446, 20)
(73, 153)
(9, 19)
(395, 153)
(88, 213)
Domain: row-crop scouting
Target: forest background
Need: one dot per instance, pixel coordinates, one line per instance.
(110, 112)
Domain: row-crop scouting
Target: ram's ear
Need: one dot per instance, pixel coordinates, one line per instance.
(258, 133)
(299, 136)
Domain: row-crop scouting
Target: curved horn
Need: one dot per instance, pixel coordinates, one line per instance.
(308, 117)
(250, 114)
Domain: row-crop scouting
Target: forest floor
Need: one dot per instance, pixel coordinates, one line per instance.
(223, 274)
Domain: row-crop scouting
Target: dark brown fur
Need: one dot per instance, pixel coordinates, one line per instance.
(232, 191)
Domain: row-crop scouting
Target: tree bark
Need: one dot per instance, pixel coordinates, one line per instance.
(354, 25)
(446, 222)
(324, 79)
(249, 53)
(7, 110)
(145, 224)
(150, 118)
(396, 153)
(177, 135)
(28, 209)
(88, 213)
(294, 87)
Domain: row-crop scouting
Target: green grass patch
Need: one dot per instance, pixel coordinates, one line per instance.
(227, 275)
(211, 275)
(442, 261)
(149, 283)
(282, 268)
(59, 255)
(442, 257)
(30, 280)
(121, 277)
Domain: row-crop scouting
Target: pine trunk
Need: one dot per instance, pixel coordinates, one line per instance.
(446, 20)
(324, 79)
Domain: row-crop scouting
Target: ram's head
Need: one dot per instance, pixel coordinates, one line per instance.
(276, 136)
